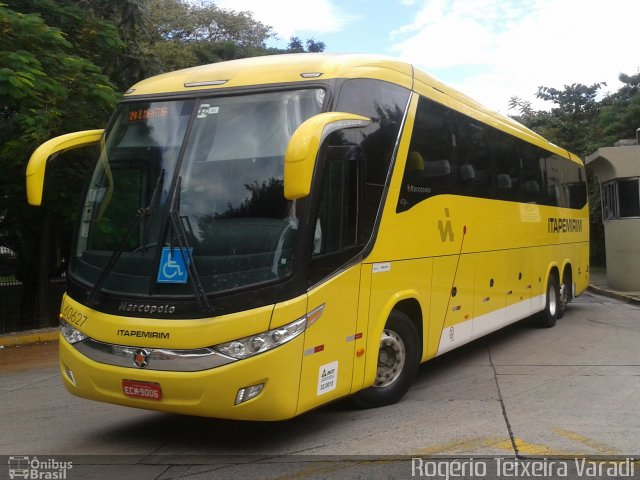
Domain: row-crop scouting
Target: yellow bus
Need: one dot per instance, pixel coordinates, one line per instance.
(262, 236)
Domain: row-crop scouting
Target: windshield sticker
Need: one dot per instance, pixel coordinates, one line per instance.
(206, 109)
(173, 268)
(148, 113)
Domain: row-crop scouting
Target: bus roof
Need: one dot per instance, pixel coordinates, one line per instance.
(305, 67)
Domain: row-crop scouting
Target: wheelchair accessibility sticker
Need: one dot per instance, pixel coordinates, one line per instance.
(172, 266)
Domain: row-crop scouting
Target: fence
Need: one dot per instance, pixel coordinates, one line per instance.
(21, 302)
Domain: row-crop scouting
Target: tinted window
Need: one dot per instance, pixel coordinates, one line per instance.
(353, 168)
(337, 233)
(531, 175)
(429, 169)
(508, 166)
(452, 153)
(575, 188)
(474, 158)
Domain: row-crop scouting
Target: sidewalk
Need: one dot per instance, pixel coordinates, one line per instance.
(29, 337)
(598, 284)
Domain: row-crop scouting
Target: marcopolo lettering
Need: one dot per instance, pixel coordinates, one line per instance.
(143, 334)
(145, 308)
(416, 189)
(564, 225)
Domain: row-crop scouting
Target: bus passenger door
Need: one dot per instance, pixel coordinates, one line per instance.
(334, 276)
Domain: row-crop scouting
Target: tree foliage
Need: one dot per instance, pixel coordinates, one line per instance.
(297, 46)
(619, 115)
(47, 89)
(184, 34)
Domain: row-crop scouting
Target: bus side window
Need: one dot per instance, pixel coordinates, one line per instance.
(575, 189)
(474, 157)
(552, 179)
(429, 169)
(531, 187)
(507, 167)
(339, 219)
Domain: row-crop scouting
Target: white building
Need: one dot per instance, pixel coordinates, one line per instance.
(617, 170)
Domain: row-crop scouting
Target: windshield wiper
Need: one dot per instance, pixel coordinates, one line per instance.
(180, 234)
(140, 215)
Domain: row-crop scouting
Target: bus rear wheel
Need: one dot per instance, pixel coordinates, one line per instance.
(547, 318)
(564, 296)
(398, 359)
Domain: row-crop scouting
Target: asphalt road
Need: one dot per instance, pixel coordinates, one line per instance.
(523, 392)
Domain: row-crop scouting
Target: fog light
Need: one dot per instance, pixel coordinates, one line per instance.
(70, 375)
(247, 393)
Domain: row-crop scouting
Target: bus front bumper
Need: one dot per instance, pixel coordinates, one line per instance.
(210, 393)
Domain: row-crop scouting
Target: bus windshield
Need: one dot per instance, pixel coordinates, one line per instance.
(218, 162)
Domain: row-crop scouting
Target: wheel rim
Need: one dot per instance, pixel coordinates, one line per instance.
(564, 295)
(553, 300)
(391, 358)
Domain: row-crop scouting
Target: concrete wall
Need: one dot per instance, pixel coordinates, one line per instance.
(622, 238)
(609, 163)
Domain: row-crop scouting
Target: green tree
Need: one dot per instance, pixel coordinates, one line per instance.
(297, 46)
(314, 46)
(105, 32)
(185, 34)
(46, 90)
(571, 123)
(620, 113)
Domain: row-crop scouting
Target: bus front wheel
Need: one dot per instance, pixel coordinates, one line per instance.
(547, 318)
(398, 359)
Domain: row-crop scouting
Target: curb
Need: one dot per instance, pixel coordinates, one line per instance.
(29, 337)
(614, 294)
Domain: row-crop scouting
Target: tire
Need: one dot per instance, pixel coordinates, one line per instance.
(398, 359)
(547, 318)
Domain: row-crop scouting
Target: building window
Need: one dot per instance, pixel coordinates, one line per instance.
(621, 199)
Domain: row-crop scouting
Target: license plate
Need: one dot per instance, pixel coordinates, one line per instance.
(145, 390)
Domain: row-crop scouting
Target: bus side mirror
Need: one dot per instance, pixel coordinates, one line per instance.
(49, 150)
(304, 145)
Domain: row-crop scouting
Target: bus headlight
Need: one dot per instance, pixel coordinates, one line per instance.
(70, 333)
(249, 346)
